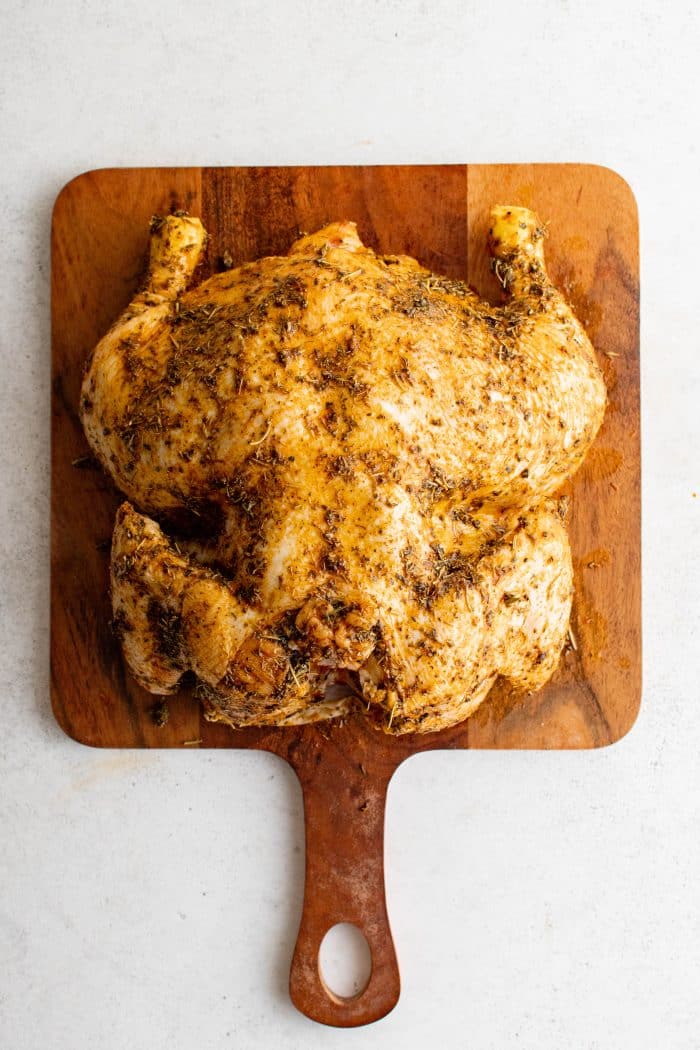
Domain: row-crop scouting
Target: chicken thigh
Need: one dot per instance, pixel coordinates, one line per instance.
(370, 456)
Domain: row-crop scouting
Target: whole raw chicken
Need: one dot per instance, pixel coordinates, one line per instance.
(370, 454)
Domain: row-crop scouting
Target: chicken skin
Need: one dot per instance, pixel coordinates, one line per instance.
(364, 458)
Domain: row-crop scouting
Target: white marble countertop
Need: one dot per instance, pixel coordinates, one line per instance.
(538, 900)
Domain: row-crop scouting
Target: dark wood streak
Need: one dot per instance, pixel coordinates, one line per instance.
(596, 714)
(68, 407)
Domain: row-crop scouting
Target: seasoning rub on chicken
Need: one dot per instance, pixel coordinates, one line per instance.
(371, 456)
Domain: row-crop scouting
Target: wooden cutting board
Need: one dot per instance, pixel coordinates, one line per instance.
(438, 214)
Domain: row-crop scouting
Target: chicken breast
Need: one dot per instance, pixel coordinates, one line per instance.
(364, 458)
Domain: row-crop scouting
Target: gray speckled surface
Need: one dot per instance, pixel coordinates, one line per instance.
(538, 900)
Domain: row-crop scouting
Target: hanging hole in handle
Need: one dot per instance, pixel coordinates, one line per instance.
(344, 962)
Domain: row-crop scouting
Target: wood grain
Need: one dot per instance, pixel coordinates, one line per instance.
(438, 214)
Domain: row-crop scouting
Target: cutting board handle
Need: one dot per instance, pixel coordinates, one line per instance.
(344, 802)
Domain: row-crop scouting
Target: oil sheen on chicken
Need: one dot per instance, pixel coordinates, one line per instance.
(371, 455)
